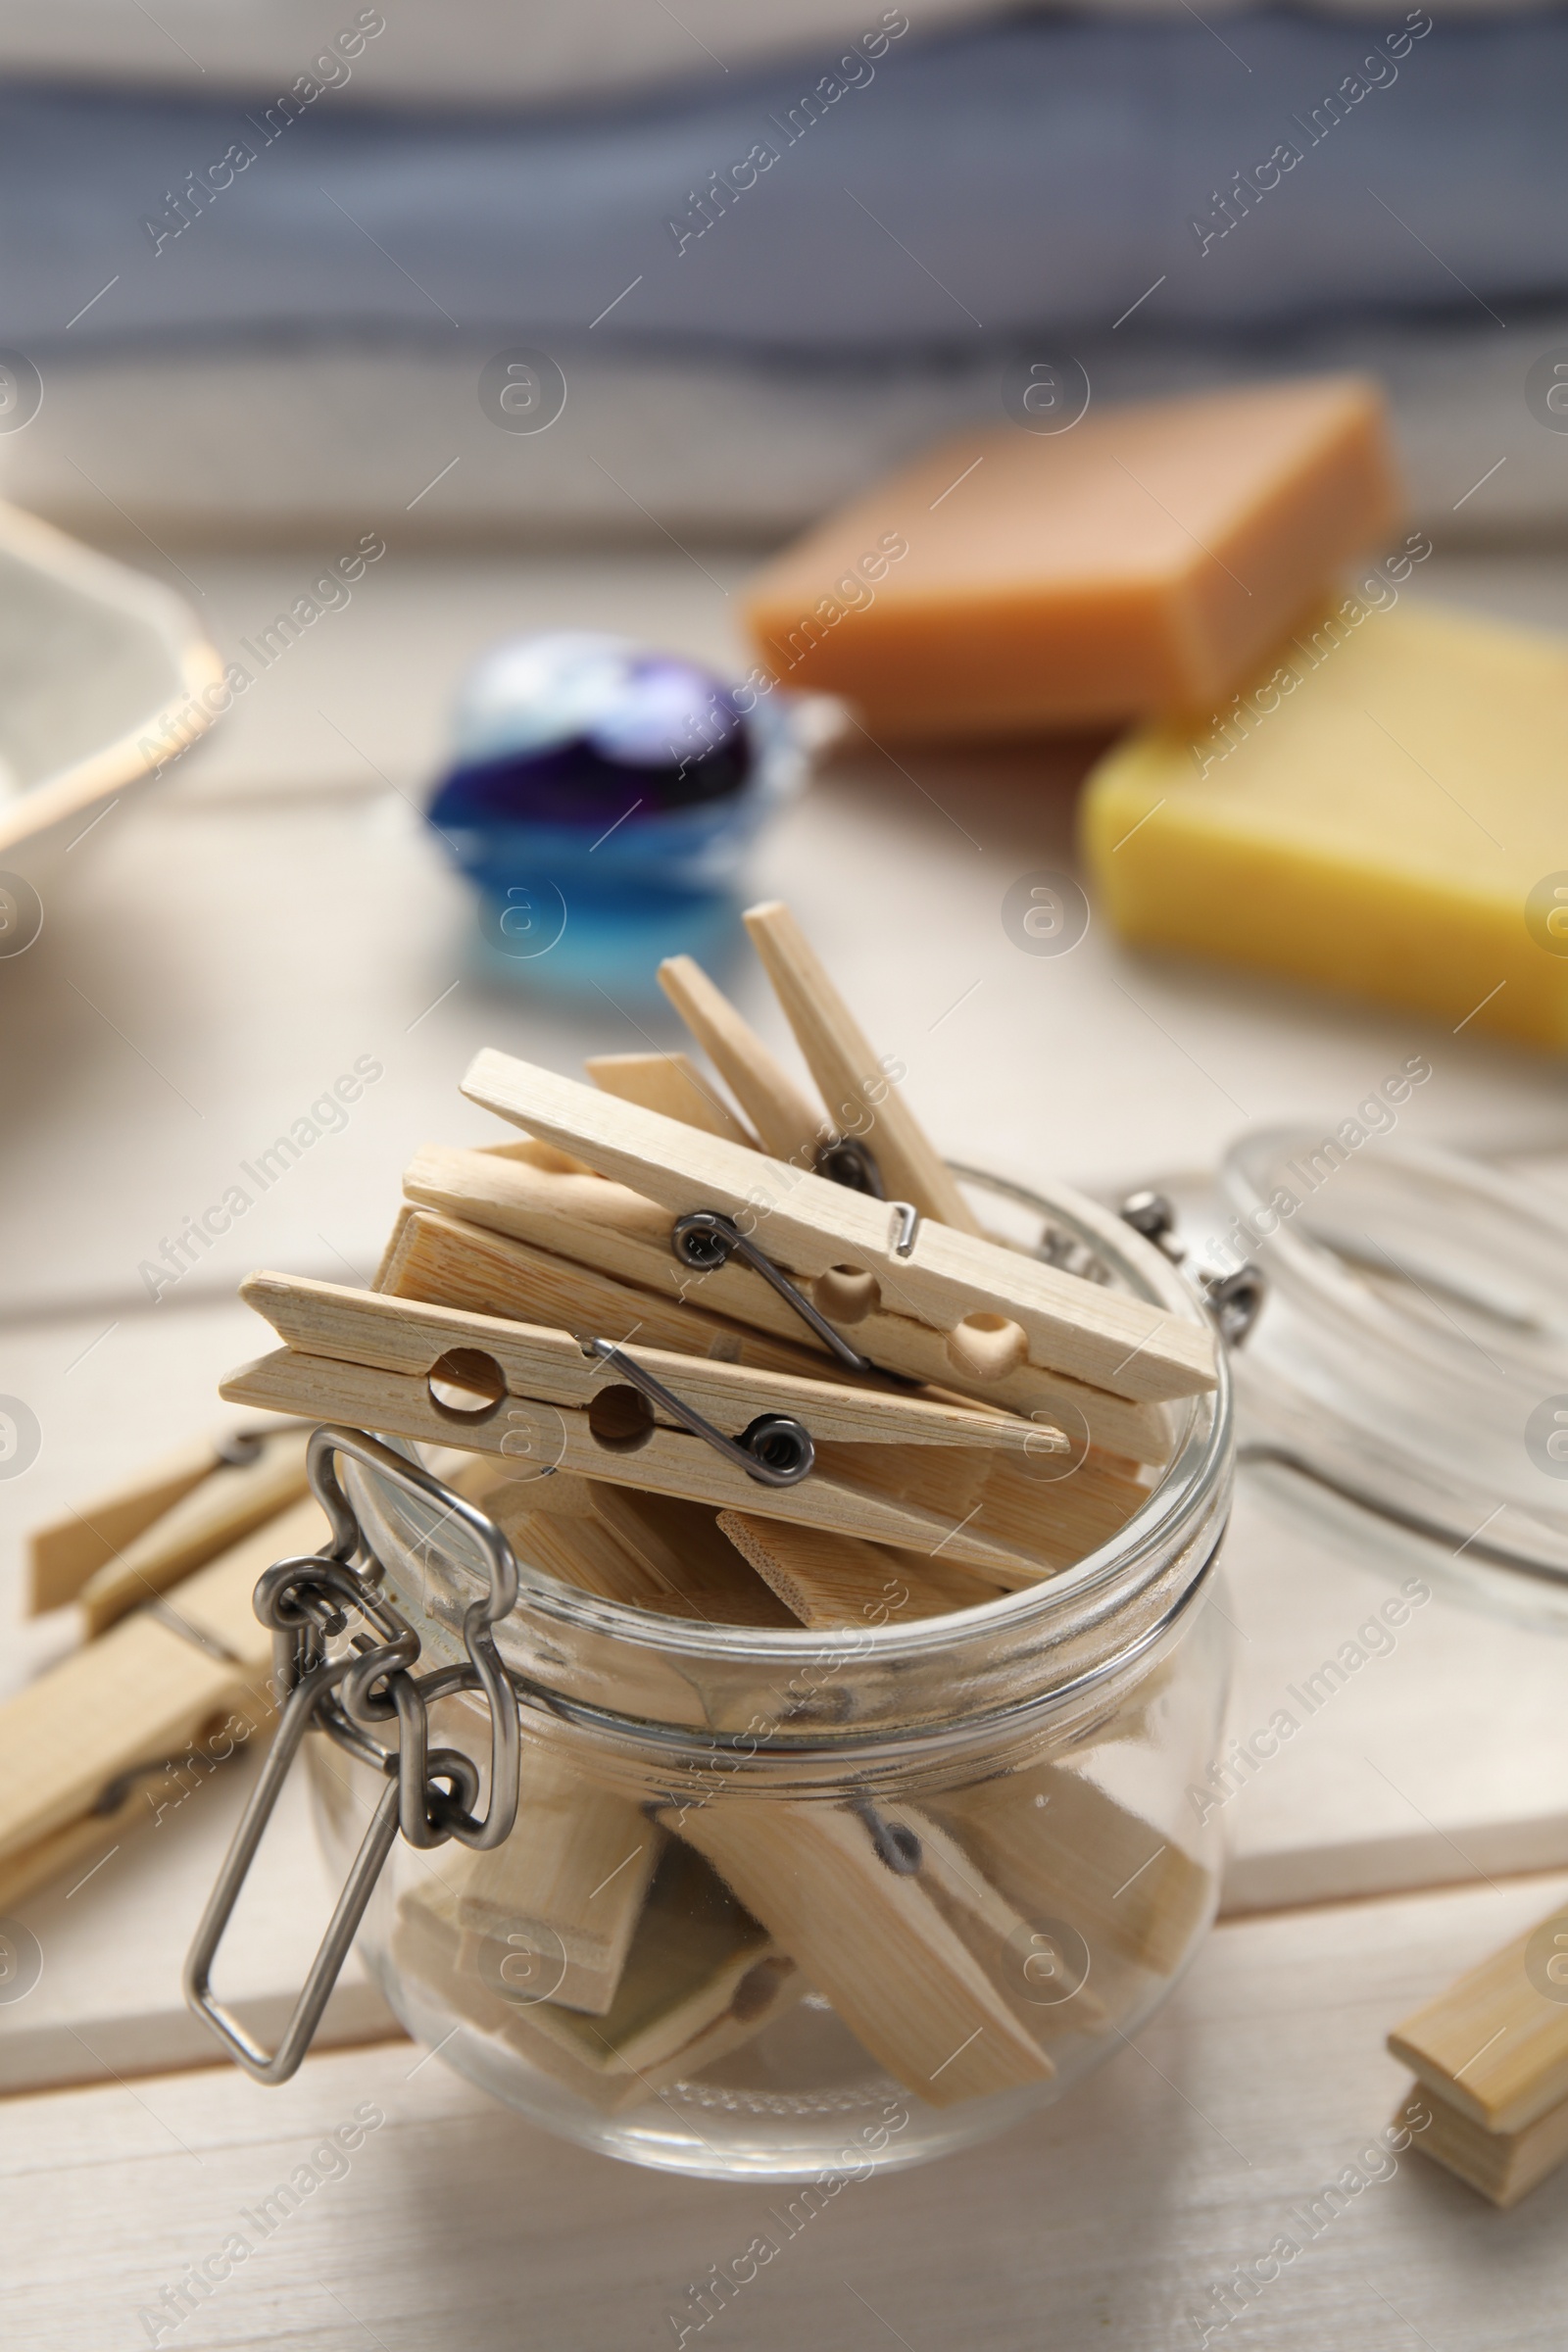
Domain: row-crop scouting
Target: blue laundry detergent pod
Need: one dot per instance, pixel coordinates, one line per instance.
(603, 796)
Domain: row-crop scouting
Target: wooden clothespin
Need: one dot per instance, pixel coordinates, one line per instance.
(792, 1127)
(951, 1281)
(700, 1979)
(856, 1908)
(861, 1102)
(623, 1417)
(1491, 2054)
(443, 1261)
(827, 1580)
(142, 1537)
(81, 1746)
(649, 1551)
(568, 1885)
(668, 1082)
(1060, 1846)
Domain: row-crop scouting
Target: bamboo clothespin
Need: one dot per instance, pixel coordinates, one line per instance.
(568, 1884)
(382, 1364)
(226, 1504)
(859, 1101)
(144, 1536)
(333, 1321)
(828, 1580)
(442, 1261)
(700, 1980)
(1056, 1523)
(610, 1229)
(1503, 2166)
(1491, 2054)
(668, 1082)
(80, 1746)
(650, 1551)
(869, 1931)
(951, 1281)
(622, 1552)
(65, 1554)
(1060, 1846)
(790, 1126)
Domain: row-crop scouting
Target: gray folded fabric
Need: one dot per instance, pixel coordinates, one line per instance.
(320, 441)
(931, 196)
(498, 52)
(464, 52)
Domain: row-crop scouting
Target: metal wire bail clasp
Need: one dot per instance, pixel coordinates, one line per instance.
(432, 1793)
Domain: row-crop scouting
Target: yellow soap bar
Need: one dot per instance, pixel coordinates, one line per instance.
(1384, 810)
(1137, 564)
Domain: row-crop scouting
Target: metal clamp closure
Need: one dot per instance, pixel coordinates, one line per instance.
(1235, 1300)
(432, 1793)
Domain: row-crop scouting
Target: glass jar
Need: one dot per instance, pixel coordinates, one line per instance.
(780, 1903)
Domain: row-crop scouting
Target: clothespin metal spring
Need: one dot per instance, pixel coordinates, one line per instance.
(775, 1448)
(708, 1239)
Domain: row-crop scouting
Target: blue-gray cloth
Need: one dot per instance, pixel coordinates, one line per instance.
(1036, 175)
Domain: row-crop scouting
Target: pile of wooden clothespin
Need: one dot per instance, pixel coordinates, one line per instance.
(750, 1358)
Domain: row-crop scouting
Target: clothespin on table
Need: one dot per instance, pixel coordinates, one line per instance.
(84, 1748)
(143, 1536)
(1490, 2057)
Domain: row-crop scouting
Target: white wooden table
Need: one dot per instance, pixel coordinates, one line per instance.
(1107, 2221)
(214, 954)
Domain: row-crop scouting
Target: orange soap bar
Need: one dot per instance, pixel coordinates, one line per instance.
(1137, 564)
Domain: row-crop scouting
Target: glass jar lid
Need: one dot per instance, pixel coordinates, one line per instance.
(1413, 1354)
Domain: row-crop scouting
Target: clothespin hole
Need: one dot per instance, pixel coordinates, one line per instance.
(847, 1293)
(621, 1418)
(988, 1346)
(465, 1384)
